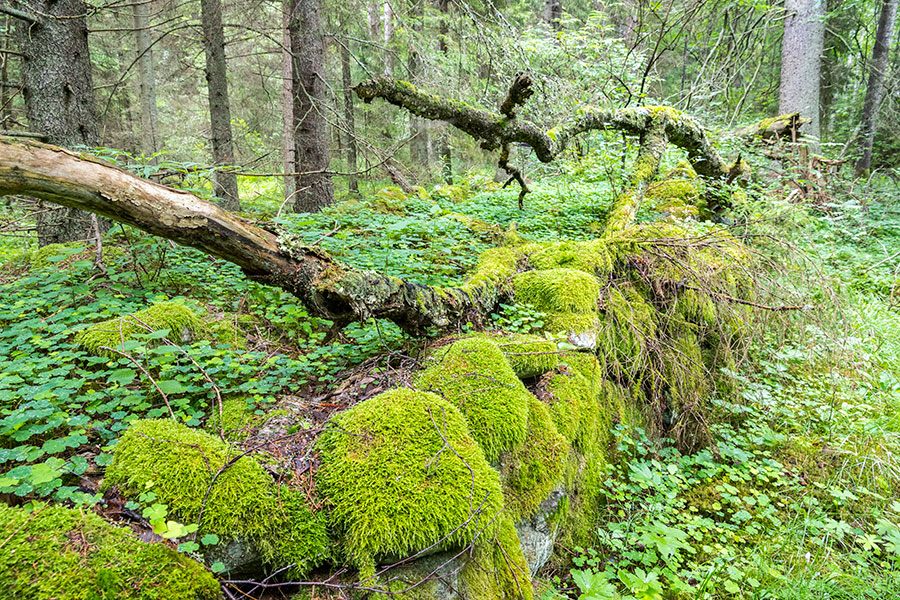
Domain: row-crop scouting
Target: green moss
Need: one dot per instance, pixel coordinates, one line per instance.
(181, 321)
(568, 323)
(531, 471)
(497, 568)
(628, 324)
(69, 554)
(528, 355)
(495, 268)
(178, 464)
(449, 193)
(389, 200)
(473, 375)
(395, 487)
(558, 290)
(40, 258)
(591, 257)
(676, 197)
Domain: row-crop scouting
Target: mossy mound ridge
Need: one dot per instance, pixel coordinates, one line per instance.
(665, 306)
(194, 474)
(69, 554)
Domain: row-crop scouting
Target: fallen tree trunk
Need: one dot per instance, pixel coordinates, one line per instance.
(327, 288)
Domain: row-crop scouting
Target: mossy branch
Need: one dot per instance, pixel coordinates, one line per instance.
(496, 131)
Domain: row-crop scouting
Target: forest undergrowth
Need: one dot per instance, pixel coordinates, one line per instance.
(794, 498)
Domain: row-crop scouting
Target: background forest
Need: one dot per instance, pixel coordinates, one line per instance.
(669, 381)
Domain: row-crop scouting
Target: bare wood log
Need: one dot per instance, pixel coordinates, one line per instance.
(327, 288)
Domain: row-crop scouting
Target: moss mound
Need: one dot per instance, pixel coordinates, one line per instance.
(473, 375)
(178, 463)
(69, 554)
(182, 323)
(41, 258)
(402, 473)
(558, 290)
(531, 471)
(238, 421)
(591, 257)
(528, 355)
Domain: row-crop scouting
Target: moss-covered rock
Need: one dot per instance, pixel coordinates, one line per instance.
(178, 464)
(473, 375)
(532, 470)
(238, 419)
(402, 473)
(497, 568)
(389, 200)
(592, 257)
(70, 554)
(182, 323)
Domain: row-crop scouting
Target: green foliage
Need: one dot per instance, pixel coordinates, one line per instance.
(473, 375)
(394, 484)
(71, 554)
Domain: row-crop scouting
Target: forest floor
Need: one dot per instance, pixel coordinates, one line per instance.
(797, 496)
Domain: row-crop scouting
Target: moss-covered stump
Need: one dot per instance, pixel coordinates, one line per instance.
(182, 324)
(68, 554)
(193, 473)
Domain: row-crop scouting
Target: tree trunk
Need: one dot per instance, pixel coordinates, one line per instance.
(553, 13)
(387, 21)
(314, 187)
(59, 96)
(5, 109)
(875, 88)
(150, 142)
(224, 182)
(418, 145)
(349, 121)
(801, 60)
(444, 150)
(287, 106)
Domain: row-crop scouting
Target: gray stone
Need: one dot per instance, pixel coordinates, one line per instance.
(537, 534)
(239, 556)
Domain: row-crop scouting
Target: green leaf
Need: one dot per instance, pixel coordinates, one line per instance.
(210, 539)
(170, 386)
(122, 376)
(217, 567)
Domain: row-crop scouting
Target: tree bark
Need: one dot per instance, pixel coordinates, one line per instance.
(314, 186)
(875, 88)
(445, 153)
(59, 96)
(553, 13)
(349, 121)
(387, 22)
(801, 61)
(224, 181)
(150, 142)
(287, 106)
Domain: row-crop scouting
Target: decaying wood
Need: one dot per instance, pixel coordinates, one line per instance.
(327, 288)
(782, 127)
